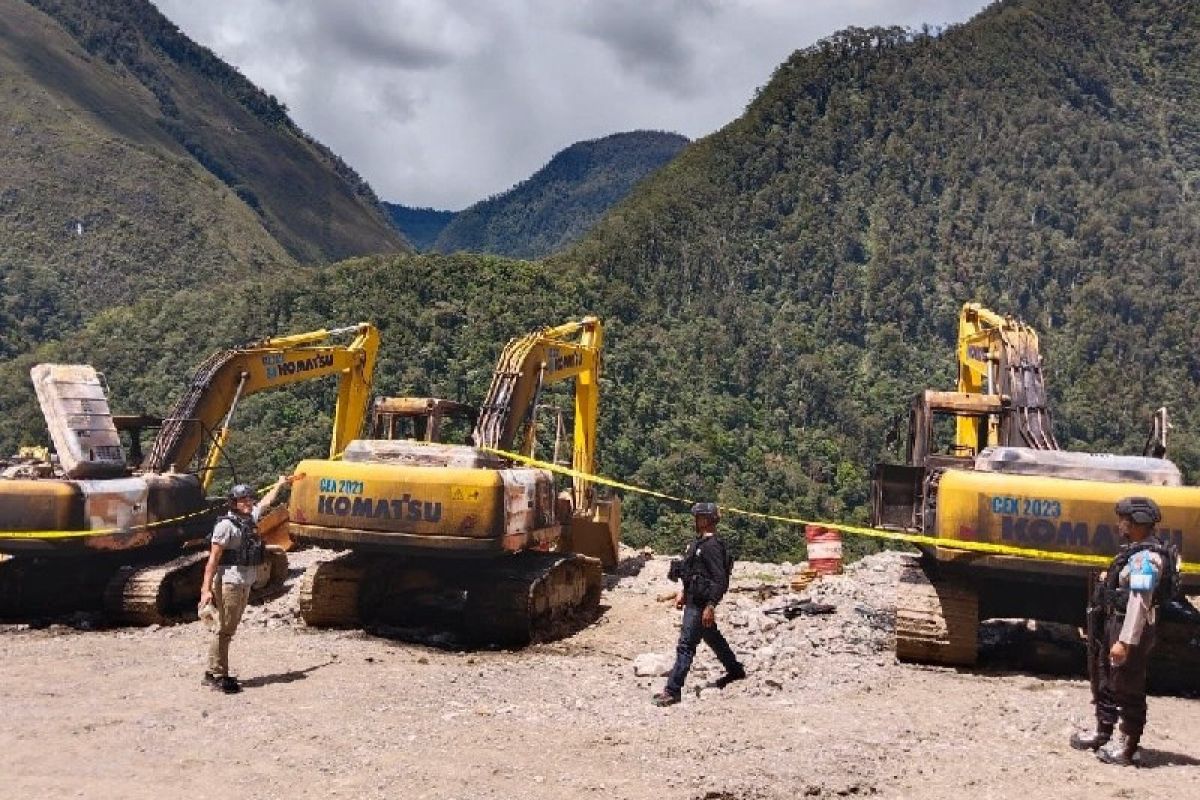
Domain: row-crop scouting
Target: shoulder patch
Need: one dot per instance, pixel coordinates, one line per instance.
(1144, 572)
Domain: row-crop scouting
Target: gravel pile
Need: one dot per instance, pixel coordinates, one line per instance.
(841, 628)
(283, 609)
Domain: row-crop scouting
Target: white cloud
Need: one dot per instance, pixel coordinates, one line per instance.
(445, 103)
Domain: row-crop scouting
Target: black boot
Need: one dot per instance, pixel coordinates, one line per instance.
(737, 674)
(1121, 750)
(1092, 741)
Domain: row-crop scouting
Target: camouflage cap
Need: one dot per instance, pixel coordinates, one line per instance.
(706, 510)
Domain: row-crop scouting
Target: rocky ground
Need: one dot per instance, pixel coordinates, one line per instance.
(826, 711)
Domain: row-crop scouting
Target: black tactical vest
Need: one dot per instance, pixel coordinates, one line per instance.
(252, 551)
(699, 586)
(1116, 596)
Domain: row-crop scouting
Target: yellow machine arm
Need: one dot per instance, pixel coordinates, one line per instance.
(526, 365)
(204, 412)
(999, 356)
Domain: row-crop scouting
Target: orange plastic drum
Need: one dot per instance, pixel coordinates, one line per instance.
(824, 549)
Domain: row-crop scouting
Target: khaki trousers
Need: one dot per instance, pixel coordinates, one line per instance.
(230, 600)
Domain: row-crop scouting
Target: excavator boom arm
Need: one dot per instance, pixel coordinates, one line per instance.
(539, 359)
(1000, 355)
(227, 376)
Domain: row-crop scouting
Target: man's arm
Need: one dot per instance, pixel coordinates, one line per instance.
(220, 535)
(714, 555)
(268, 499)
(1137, 610)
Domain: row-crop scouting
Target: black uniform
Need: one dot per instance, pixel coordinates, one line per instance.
(705, 574)
(1119, 692)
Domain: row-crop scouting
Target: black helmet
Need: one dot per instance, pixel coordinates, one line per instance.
(1141, 510)
(240, 492)
(706, 510)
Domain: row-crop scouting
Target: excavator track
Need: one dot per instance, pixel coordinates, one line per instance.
(1175, 659)
(155, 594)
(36, 588)
(937, 621)
(162, 594)
(329, 592)
(505, 602)
(534, 597)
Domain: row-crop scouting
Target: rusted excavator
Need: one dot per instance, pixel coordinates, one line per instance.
(983, 465)
(458, 537)
(101, 528)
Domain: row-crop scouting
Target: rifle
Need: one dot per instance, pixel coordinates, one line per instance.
(1096, 617)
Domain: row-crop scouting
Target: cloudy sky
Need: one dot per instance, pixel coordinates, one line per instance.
(444, 102)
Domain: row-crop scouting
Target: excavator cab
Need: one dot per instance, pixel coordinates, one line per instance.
(899, 491)
(423, 419)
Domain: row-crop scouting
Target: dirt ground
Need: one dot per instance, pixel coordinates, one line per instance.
(827, 712)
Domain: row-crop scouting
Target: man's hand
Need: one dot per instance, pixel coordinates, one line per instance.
(679, 600)
(1118, 653)
(205, 597)
(709, 617)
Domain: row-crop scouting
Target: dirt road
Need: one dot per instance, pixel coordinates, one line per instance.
(827, 712)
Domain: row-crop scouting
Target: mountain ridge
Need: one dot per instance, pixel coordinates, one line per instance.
(560, 202)
(107, 194)
(774, 296)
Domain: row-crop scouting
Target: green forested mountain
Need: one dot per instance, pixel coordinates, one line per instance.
(776, 294)
(795, 278)
(420, 226)
(559, 203)
(136, 161)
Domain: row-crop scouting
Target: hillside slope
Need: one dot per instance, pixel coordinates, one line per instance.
(776, 294)
(136, 161)
(420, 226)
(788, 283)
(559, 203)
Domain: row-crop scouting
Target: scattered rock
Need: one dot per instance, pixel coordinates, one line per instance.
(653, 665)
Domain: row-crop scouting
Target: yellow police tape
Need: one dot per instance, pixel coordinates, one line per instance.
(89, 534)
(989, 548)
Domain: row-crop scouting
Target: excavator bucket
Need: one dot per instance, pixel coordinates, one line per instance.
(273, 528)
(598, 533)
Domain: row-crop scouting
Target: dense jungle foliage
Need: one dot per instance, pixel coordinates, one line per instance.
(559, 203)
(776, 294)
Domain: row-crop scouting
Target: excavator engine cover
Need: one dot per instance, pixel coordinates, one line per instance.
(348, 503)
(1050, 513)
(81, 426)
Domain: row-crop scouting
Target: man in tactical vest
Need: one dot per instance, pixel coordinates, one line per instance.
(705, 571)
(1122, 617)
(240, 553)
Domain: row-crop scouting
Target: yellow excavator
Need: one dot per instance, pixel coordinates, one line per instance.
(997, 475)
(105, 528)
(457, 537)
